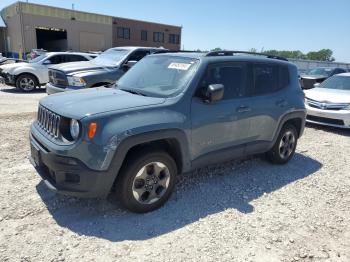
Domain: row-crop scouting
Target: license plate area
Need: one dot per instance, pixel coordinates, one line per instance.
(35, 154)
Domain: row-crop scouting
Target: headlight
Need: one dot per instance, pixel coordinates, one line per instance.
(76, 81)
(74, 129)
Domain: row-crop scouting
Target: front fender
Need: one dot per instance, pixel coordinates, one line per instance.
(29, 70)
(117, 150)
(122, 132)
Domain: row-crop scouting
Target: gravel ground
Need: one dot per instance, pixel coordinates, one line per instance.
(244, 210)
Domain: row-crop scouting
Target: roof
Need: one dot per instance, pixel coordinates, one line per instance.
(344, 74)
(221, 58)
(137, 47)
(68, 53)
(328, 67)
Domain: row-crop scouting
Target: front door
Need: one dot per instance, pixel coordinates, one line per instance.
(220, 125)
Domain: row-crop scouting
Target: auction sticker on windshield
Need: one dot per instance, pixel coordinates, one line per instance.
(179, 66)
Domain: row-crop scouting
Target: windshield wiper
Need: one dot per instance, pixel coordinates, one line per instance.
(132, 91)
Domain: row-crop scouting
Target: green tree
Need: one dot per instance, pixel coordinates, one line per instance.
(253, 50)
(321, 55)
(216, 49)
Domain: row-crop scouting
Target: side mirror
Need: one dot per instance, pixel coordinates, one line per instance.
(316, 85)
(214, 93)
(47, 62)
(130, 63)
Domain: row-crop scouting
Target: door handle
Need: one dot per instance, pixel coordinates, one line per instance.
(243, 109)
(281, 103)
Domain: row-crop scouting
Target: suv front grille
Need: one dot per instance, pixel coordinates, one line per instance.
(48, 121)
(326, 105)
(57, 78)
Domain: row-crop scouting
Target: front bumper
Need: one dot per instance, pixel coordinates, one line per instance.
(51, 89)
(67, 175)
(7, 78)
(335, 118)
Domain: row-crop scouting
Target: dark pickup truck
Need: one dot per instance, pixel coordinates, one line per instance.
(318, 75)
(104, 70)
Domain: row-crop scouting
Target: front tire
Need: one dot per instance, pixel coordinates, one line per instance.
(146, 181)
(285, 145)
(26, 83)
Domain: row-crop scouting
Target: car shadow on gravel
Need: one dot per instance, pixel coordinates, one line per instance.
(13, 90)
(334, 130)
(204, 192)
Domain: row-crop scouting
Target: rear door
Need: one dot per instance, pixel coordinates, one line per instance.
(267, 100)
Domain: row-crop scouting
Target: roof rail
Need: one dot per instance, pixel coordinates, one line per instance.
(231, 53)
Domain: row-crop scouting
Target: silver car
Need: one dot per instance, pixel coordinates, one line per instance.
(329, 103)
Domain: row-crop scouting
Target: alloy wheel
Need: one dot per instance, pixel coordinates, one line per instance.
(151, 182)
(287, 144)
(27, 84)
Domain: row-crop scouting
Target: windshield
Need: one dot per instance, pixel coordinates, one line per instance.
(320, 71)
(38, 59)
(111, 57)
(159, 76)
(337, 82)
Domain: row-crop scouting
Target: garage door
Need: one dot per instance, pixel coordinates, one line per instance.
(92, 41)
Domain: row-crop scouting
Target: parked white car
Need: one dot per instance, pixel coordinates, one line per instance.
(26, 76)
(329, 103)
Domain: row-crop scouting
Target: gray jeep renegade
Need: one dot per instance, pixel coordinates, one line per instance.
(169, 114)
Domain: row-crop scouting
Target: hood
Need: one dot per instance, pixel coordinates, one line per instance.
(328, 95)
(313, 77)
(8, 67)
(85, 102)
(79, 67)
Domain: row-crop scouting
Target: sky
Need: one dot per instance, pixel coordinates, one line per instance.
(305, 25)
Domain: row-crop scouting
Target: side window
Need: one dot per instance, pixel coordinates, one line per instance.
(57, 59)
(265, 79)
(338, 71)
(75, 58)
(138, 55)
(231, 75)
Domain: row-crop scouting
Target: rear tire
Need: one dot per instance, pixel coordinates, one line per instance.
(285, 145)
(26, 83)
(146, 181)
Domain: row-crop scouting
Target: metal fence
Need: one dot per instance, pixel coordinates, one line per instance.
(309, 64)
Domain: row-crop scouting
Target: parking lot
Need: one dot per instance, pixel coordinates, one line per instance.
(243, 210)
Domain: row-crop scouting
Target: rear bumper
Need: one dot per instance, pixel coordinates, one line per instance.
(69, 176)
(335, 118)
